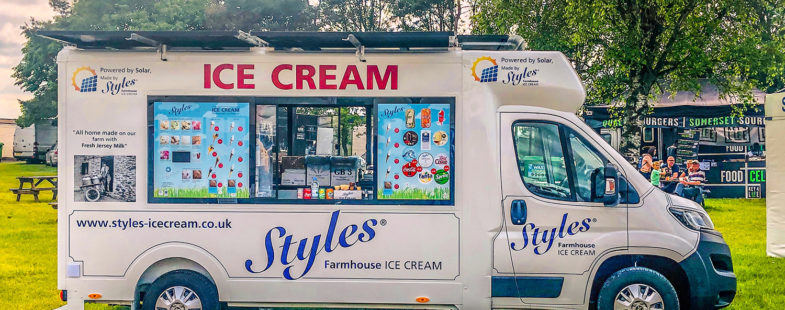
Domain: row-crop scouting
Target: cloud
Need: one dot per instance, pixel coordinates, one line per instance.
(9, 106)
(14, 14)
(10, 35)
(24, 9)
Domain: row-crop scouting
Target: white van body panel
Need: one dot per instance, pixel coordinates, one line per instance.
(23, 142)
(470, 240)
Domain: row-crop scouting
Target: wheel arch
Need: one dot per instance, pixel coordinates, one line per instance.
(663, 263)
(171, 256)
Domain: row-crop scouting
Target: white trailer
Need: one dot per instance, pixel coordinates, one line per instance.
(775, 212)
(214, 168)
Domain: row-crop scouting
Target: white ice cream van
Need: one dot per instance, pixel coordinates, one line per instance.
(356, 170)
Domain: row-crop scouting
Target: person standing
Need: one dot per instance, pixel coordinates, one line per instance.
(655, 173)
(646, 168)
(671, 150)
(105, 177)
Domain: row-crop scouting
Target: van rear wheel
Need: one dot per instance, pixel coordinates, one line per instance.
(637, 288)
(181, 290)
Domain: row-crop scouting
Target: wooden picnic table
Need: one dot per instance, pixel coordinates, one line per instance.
(35, 186)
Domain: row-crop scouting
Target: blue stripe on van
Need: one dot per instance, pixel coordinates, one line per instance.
(531, 287)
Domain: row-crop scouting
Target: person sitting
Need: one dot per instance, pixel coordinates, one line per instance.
(655, 173)
(691, 186)
(671, 172)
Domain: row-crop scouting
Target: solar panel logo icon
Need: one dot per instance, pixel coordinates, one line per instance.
(89, 84)
(488, 69)
(489, 74)
(88, 80)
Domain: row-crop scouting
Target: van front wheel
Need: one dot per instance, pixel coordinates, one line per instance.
(181, 290)
(637, 288)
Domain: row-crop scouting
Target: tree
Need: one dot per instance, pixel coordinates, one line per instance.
(426, 15)
(37, 71)
(261, 15)
(354, 15)
(763, 51)
(628, 52)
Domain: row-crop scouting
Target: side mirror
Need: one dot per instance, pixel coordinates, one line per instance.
(604, 185)
(611, 194)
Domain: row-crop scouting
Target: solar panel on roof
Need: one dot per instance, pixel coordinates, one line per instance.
(309, 41)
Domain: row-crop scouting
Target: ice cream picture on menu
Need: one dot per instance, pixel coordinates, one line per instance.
(220, 149)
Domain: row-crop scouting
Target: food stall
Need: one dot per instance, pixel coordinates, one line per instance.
(730, 147)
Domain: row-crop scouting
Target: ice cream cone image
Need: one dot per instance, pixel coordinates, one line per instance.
(387, 174)
(231, 140)
(388, 142)
(230, 171)
(212, 125)
(388, 156)
(217, 159)
(388, 129)
(215, 136)
(209, 172)
(231, 154)
(210, 149)
(231, 127)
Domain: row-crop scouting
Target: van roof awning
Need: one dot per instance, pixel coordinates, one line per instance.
(304, 41)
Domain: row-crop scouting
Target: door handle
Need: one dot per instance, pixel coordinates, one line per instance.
(518, 212)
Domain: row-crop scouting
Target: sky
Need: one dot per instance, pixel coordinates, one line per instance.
(13, 14)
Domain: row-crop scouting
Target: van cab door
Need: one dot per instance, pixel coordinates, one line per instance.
(555, 227)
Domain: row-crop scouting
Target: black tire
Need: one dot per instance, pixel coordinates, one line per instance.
(637, 275)
(194, 281)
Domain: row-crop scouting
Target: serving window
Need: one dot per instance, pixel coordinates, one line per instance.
(309, 150)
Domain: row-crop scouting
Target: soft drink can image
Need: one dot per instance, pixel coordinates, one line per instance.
(322, 193)
(409, 118)
(425, 118)
(307, 193)
(299, 193)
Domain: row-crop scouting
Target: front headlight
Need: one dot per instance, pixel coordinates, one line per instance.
(692, 219)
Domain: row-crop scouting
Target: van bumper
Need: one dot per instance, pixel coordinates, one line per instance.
(710, 273)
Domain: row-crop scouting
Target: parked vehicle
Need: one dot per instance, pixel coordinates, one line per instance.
(51, 156)
(24, 138)
(32, 143)
(480, 189)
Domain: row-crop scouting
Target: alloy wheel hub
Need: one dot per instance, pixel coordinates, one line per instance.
(638, 297)
(178, 298)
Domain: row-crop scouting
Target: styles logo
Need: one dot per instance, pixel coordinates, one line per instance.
(542, 239)
(305, 253)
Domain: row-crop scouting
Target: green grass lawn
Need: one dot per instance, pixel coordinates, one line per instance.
(28, 248)
(28, 244)
(743, 224)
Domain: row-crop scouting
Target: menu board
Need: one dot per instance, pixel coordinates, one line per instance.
(201, 150)
(687, 145)
(414, 151)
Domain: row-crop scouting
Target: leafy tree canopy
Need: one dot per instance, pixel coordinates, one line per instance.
(628, 52)
(37, 72)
